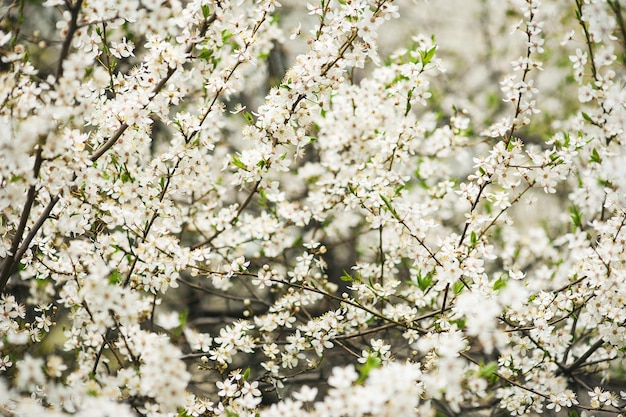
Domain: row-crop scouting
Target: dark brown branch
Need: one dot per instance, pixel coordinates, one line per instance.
(10, 262)
(599, 343)
(71, 30)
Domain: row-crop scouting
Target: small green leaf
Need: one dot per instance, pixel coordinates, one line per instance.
(486, 371)
(237, 162)
(428, 56)
(263, 196)
(460, 323)
(407, 109)
(386, 201)
(567, 140)
(115, 277)
(424, 281)
(249, 118)
(586, 117)
(577, 217)
(349, 278)
(206, 10)
(126, 177)
(372, 362)
(595, 156)
(499, 284)
(389, 206)
(345, 277)
(246, 374)
(182, 318)
(226, 35)
(206, 54)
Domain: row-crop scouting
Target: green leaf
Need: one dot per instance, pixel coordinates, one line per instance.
(206, 54)
(249, 118)
(246, 374)
(407, 109)
(458, 287)
(595, 156)
(263, 196)
(395, 80)
(424, 281)
(486, 371)
(567, 140)
(586, 117)
(460, 323)
(237, 162)
(372, 362)
(577, 217)
(206, 10)
(115, 277)
(349, 278)
(499, 284)
(226, 35)
(389, 206)
(126, 177)
(346, 277)
(182, 318)
(428, 56)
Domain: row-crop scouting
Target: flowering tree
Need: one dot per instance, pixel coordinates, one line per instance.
(241, 208)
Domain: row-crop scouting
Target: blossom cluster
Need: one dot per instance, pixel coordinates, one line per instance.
(281, 208)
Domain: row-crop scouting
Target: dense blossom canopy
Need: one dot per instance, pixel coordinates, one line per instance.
(334, 208)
